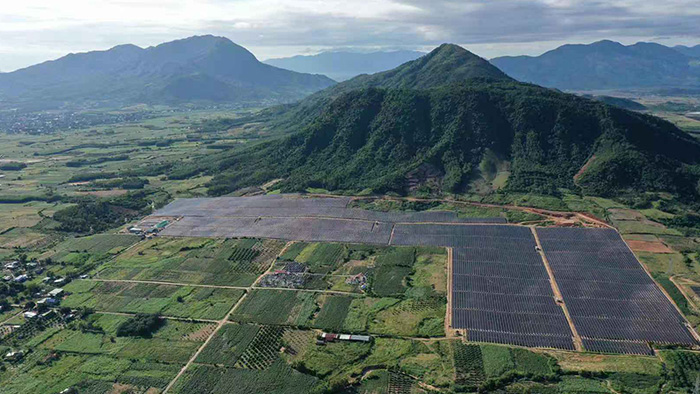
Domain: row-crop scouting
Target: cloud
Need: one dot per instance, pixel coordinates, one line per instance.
(35, 30)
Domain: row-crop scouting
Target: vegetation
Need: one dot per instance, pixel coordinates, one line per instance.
(141, 325)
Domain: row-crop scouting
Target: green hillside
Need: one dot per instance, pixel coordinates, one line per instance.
(418, 124)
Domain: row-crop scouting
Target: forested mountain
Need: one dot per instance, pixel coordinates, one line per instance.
(688, 51)
(440, 115)
(605, 65)
(344, 65)
(197, 68)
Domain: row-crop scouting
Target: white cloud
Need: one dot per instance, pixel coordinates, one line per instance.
(35, 30)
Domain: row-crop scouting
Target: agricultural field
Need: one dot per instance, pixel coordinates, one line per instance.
(168, 300)
(98, 360)
(194, 261)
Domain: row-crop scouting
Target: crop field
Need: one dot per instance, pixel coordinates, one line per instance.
(277, 307)
(168, 300)
(99, 361)
(609, 295)
(198, 261)
(92, 249)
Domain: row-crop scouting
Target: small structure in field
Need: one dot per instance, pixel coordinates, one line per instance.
(328, 337)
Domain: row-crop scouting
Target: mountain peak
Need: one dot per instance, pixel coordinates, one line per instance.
(444, 65)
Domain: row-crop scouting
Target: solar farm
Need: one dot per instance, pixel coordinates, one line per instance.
(563, 288)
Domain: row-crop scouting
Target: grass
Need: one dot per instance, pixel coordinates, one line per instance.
(195, 261)
(392, 270)
(587, 362)
(277, 379)
(276, 307)
(228, 344)
(333, 313)
(168, 300)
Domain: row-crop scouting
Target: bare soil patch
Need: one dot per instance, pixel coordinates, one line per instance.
(647, 246)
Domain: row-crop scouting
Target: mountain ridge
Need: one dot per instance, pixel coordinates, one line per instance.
(604, 65)
(128, 74)
(447, 113)
(344, 65)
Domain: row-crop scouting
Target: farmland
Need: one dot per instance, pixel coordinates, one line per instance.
(261, 304)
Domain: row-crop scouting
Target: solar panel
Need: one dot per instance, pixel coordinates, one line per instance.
(623, 347)
(609, 295)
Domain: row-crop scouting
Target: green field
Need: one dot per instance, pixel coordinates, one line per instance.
(168, 300)
(98, 360)
(195, 261)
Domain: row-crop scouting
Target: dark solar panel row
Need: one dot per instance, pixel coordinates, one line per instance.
(610, 298)
(597, 258)
(497, 255)
(294, 206)
(621, 347)
(462, 236)
(636, 309)
(663, 332)
(507, 338)
(519, 323)
(534, 304)
(300, 229)
(478, 284)
(499, 270)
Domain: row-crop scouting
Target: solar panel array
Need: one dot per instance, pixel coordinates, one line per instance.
(622, 347)
(295, 206)
(613, 302)
(500, 288)
(299, 229)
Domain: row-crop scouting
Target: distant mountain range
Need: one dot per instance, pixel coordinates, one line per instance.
(607, 65)
(447, 120)
(344, 65)
(201, 68)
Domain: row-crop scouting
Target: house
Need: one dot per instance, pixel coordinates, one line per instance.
(7, 278)
(60, 281)
(136, 230)
(55, 293)
(30, 315)
(345, 337)
(12, 265)
(47, 301)
(14, 356)
(21, 279)
(47, 279)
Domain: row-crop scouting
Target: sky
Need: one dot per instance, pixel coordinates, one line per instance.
(32, 31)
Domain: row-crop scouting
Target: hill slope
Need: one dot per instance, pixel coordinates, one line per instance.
(342, 66)
(197, 68)
(604, 65)
(388, 136)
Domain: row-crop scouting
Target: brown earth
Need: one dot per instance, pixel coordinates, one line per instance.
(647, 246)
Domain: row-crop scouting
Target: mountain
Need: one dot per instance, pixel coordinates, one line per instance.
(445, 65)
(688, 51)
(445, 120)
(203, 68)
(618, 102)
(604, 65)
(342, 66)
